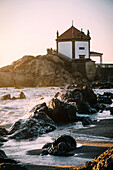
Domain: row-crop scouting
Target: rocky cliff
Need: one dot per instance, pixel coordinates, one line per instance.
(30, 71)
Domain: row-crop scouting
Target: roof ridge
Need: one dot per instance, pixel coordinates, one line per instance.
(69, 34)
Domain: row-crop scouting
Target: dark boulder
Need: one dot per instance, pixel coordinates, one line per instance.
(85, 108)
(61, 146)
(8, 163)
(69, 95)
(3, 131)
(89, 95)
(2, 139)
(104, 99)
(47, 145)
(84, 99)
(111, 110)
(40, 107)
(62, 112)
(86, 121)
(21, 95)
(108, 94)
(5, 159)
(6, 97)
(32, 127)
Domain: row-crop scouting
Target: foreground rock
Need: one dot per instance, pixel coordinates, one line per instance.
(61, 146)
(38, 123)
(102, 162)
(31, 128)
(62, 112)
(3, 131)
(8, 163)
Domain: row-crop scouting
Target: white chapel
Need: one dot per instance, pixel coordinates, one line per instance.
(75, 44)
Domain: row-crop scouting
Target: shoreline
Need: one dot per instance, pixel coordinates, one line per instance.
(89, 149)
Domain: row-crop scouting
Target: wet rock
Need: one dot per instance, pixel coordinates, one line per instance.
(8, 163)
(85, 108)
(37, 123)
(62, 112)
(61, 146)
(6, 97)
(111, 110)
(2, 139)
(108, 94)
(89, 95)
(47, 145)
(86, 121)
(69, 95)
(5, 159)
(45, 148)
(21, 95)
(84, 99)
(102, 162)
(104, 99)
(39, 107)
(1, 143)
(32, 127)
(3, 131)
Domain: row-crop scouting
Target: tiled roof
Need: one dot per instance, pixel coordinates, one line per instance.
(73, 33)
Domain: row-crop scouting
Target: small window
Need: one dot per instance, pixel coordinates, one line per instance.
(81, 48)
(81, 56)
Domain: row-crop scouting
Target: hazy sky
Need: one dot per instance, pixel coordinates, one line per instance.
(29, 26)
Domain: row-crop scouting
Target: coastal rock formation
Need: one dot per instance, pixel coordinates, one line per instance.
(30, 128)
(86, 121)
(62, 112)
(61, 146)
(3, 131)
(38, 123)
(30, 71)
(84, 99)
(104, 99)
(8, 163)
(102, 162)
(5, 159)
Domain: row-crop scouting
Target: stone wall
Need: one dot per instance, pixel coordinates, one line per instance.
(86, 68)
(105, 74)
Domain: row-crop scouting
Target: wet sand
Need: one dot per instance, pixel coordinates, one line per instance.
(103, 128)
(89, 149)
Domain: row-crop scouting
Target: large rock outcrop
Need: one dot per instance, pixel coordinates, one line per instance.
(37, 123)
(30, 71)
(102, 162)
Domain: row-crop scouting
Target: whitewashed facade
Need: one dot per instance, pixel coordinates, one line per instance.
(65, 48)
(81, 49)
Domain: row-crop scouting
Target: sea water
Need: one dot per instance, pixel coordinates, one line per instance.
(12, 110)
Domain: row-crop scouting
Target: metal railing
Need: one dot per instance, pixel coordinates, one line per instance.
(104, 65)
